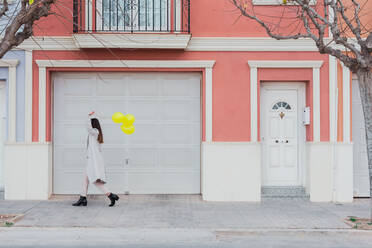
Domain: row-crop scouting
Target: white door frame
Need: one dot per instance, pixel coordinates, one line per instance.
(301, 103)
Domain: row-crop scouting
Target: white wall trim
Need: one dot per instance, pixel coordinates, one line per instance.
(208, 105)
(28, 96)
(346, 102)
(316, 104)
(195, 44)
(314, 64)
(332, 98)
(254, 104)
(42, 104)
(12, 94)
(138, 40)
(206, 64)
(127, 63)
(285, 63)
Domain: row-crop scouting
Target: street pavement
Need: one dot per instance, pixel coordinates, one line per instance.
(151, 221)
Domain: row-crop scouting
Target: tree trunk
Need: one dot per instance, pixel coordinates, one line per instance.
(365, 88)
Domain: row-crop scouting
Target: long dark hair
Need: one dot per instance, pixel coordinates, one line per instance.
(95, 124)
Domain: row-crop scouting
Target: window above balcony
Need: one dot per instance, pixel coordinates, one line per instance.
(132, 23)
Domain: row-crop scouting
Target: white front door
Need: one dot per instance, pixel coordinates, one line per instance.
(280, 134)
(2, 130)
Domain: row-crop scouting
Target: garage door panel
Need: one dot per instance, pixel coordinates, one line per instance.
(179, 134)
(178, 85)
(161, 157)
(70, 158)
(179, 158)
(145, 109)
(155, 183)
(83, 88)
(105, 108)
(180, 110)
(111, 86)
(70, 134)
(74, 109)
(69, 183)
(145, 134)
(143, 157)
(114, 157)
(142, 85)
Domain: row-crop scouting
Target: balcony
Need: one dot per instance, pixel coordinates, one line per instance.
(155, 24)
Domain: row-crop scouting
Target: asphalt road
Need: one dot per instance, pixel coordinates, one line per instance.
(181, 238)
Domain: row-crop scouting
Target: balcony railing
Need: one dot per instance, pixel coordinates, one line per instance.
(131, 16)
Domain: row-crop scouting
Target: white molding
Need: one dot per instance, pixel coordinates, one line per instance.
(208, 105)
(314, 64)
(206, 64)
(46, 43)
(42, 104)
(195, 43)
(277, 2)
(249, 44)
(9, 62)
(285, 63)
(332, 98)
(346, 102)
(253, 101)
(316, 104)
(127, 63)
(12, 94)
(28, 96)
(138, 40)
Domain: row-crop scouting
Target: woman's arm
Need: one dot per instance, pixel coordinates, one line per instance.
(90, 129)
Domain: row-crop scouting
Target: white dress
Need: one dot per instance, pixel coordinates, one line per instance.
(95, 165)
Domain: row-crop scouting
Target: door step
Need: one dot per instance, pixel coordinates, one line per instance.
(283, 192)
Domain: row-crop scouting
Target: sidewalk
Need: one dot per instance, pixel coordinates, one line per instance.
(185, 212)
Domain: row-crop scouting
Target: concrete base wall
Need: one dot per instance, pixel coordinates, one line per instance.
(28, 171)
(231, 171)
(330, 172)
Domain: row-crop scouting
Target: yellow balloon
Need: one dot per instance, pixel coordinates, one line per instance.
(128, 120)
(118, 117)
(127, 129)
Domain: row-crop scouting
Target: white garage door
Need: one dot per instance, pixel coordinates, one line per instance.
(361, 182)
(161, 157)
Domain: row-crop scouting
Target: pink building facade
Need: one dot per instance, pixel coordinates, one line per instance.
(221, 109)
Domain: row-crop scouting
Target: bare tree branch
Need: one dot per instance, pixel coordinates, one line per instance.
(4, 9)
(21, 26)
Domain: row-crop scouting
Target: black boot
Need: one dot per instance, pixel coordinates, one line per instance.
(81, 202)
(113, 198)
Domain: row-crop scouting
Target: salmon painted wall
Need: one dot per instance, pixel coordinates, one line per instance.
(231, 86)
(209, 18)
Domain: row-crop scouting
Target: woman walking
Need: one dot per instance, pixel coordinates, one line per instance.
(95, 167)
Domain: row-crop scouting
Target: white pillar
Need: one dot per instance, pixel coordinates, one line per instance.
(12, 87)
(28, 97)
(208, 105)
(332, 98)
(316, 104)
(254, 97)
(42, 104)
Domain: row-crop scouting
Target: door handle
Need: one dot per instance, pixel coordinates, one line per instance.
(276, 141)
(126, 161)
(286, 141)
